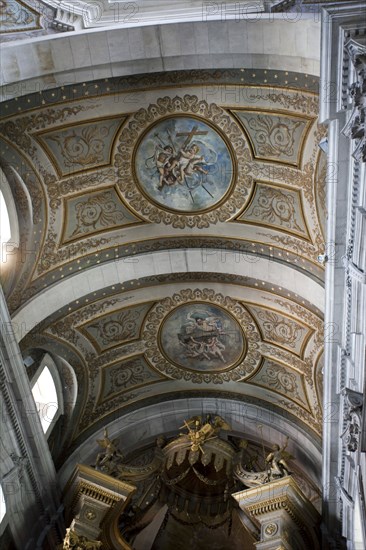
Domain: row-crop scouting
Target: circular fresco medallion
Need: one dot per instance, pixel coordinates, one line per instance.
(202, 337)
(184, 164)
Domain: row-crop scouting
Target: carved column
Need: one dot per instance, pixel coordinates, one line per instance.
(94, 501)
(285, 517)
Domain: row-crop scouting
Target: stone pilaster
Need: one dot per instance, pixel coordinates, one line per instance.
(344, 110)
(285, 517)
(27, 473)
(93, 502)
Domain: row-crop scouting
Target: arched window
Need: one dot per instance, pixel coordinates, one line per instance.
(5, 232)
(9, 228)
(2, 504)
(358, 527)
(47, 393)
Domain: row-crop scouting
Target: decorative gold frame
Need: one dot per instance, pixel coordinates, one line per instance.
(235, 363)
(276, 112)
(279, 187)
(250, 360)
(39, 137)
(210, 114)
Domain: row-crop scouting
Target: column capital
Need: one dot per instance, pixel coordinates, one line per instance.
(282, 513)
(94, 502)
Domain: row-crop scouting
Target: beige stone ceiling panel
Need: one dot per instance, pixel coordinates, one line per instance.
(282, 330)
(115, 329)
(89, 213)
(278, 207)
(81, 57)
(274, 136)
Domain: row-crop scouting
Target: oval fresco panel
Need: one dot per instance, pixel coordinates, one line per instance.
(202, 337)
(183, 164)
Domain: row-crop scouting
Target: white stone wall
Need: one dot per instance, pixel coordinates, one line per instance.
(27, 472)
(33, 65)
(344, 372)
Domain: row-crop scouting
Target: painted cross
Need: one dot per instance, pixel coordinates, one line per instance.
(190, 135)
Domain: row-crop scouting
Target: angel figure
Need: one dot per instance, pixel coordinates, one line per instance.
(277, 465)
(189, 162)
(110, 451)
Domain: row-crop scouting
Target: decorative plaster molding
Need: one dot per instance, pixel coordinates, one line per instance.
(279, 507)
(353, 271)
(91, 14)
(356, 125)
(353, 402)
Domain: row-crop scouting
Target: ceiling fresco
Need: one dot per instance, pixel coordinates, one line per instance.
(109, 183)
(202, 337)
(183, 164)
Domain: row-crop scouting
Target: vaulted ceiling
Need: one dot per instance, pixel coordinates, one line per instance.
(170, 225)
(127, 274)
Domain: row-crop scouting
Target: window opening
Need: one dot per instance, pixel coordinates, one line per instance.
(45, 396)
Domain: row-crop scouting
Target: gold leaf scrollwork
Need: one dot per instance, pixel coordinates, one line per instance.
(84, 148)
(122, 328)
(127, 375)
(73, 541)
(100, 209)
(274, 138)
(275, 206)
(280, 330)
(279, 378)
(191, 106)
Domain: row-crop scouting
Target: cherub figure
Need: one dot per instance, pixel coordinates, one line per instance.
(165, 163)
(215, 348)
(190, 161)
(194, 348)
(110, 452)
(277, 465)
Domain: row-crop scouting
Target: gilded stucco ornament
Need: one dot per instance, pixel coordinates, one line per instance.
(200, 431)
(271, 529)
(111, 461)
(110, 452)
(90, 515)
(275, 462)
(201, 336)
(187, 163)
(73, 541)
